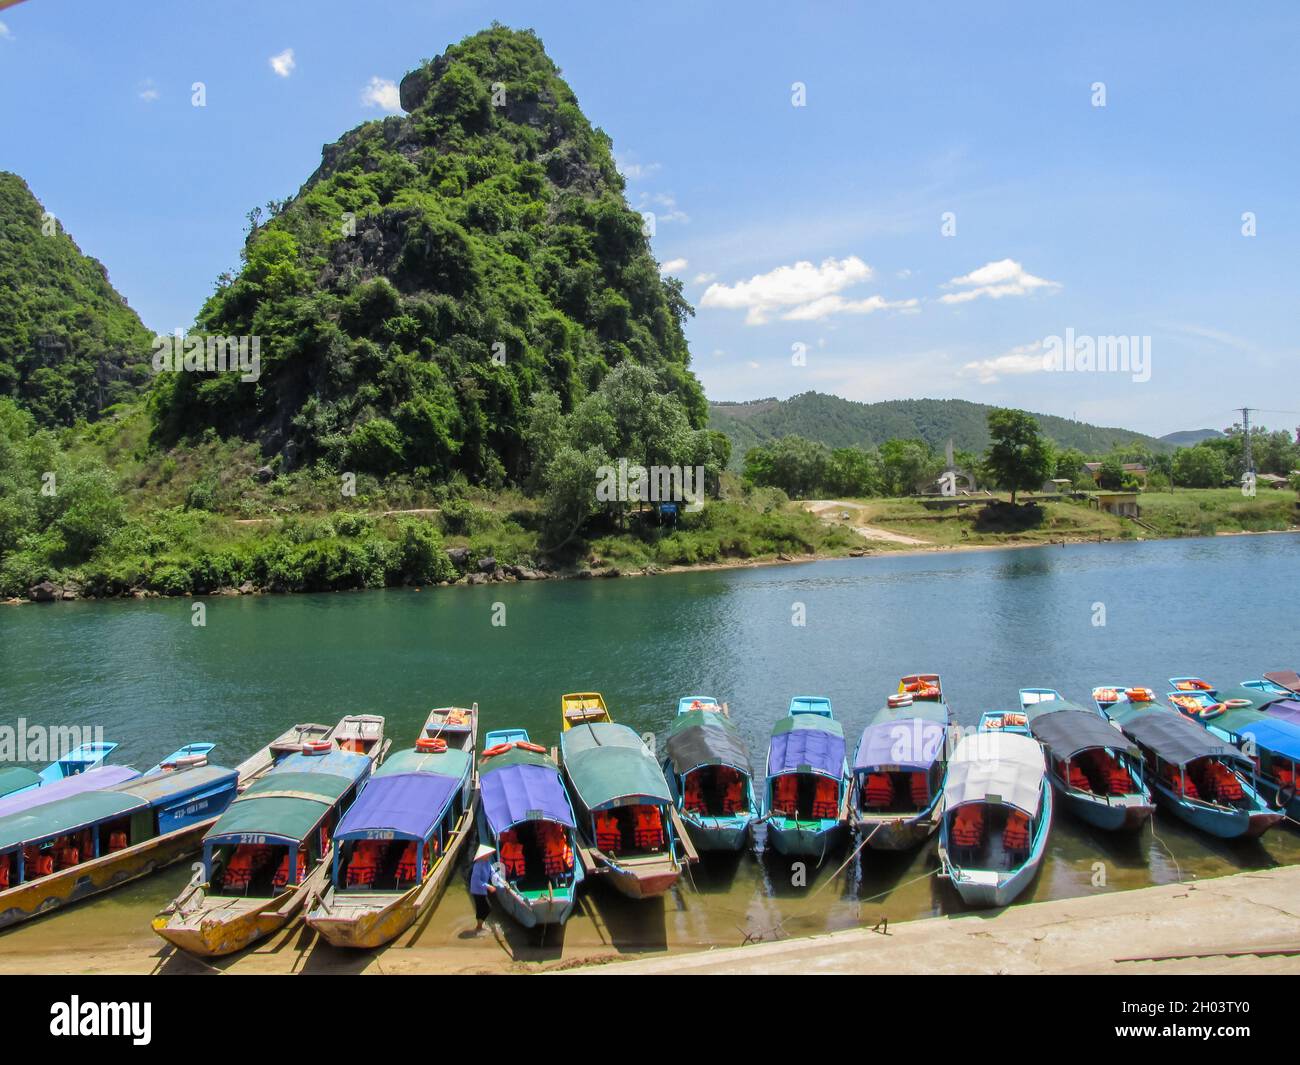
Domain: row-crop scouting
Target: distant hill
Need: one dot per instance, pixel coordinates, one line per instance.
(840, 422)
(69, 344)
(1190, 437)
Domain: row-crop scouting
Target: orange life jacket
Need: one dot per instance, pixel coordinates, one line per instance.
(826, 799)
(1223, 782)
(879, 790)
(67, 857)
(694, 795)
(609, 834)
(1181, 782)
(649, 832)
(557, 855)
(968, 827)
(281, 878)
(1119, 781)
(4, 872)
(733, 798)
(919, 785)
(1015, 837)
(785, 794)
(406, 864)
(1078, 778)
(117, 841)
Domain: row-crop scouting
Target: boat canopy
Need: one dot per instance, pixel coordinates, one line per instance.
(1286, 678)
(522, 786)
(1178, 741)
(337, 763)
(1003, 766)
(290, 800)
(16, 778)
(908, 743)
(159, 788)
(1069, 731)
(700, 739)
(1256, 698)
(449, 763)
(608, 762)
(1276, 737)
(806, 743)
(64, 816)
(400, 805)
(1286, 710)
(104, 776)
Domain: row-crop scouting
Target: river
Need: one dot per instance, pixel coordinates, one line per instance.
(989, 621)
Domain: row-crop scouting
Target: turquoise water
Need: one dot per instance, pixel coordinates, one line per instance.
(988, 621)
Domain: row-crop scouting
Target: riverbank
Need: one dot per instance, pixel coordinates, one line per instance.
(1247, 923)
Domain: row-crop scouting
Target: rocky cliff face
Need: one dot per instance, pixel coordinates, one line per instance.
(435, 271)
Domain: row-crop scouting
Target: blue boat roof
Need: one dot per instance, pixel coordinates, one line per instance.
(407, 805)
(104, 776)
(339, 763)
(1277, 737)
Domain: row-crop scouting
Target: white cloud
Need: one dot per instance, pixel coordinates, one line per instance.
(147, 91)
(4, 32)
(673, 266)
(634, 171)
(381, 93)
(786, 286)
(1027, 358)
(283, 63)
(1006, 277)
(664, 207)
(834, 304)
(703, 279)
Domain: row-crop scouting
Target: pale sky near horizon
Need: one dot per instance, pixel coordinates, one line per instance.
(819, 225)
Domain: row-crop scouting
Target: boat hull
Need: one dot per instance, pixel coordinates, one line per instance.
(1107, 816)
(900, 834)
(1220, 822)
(1002, 893)
(794, 841)
(368, 929)
(25, 901)
(718, 838)
(536, 912)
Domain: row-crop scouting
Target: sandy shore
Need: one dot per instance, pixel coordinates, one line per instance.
(1244, 923)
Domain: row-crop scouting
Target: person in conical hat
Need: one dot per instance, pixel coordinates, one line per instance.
(480, 884)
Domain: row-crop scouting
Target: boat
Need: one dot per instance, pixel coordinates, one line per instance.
(250, 887)
(526, 817)
(67, 849)
(709, 773)
(896, 796)
(397, 846)
(807, 791)
(17, 780)
(997, 809)
(625, 812)
(582, 708)
(1096, 770)
(1287, 679)
(1196, 776)
(1260, 721)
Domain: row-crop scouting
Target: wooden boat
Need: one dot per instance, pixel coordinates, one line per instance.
(582, 708)
(997, 812)
(526, 817)
(1096, 770)
(807, 790)
(710, 776)
(67, 849)
(1287, 679)
(397, 846)
(251, 887)
(1257, 719)
(1199, 778)
(896, 795)
(625, 812)
(17, 780)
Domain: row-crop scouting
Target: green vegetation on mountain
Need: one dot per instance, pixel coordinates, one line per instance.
(436, 272)
(69, 344)
(838, 423)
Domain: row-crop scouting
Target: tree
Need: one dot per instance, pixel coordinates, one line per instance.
(1019, 457)
(1201, 466)
(1111, 475)
(907, 464)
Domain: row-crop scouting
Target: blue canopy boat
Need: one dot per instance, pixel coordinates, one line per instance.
(898, 768)
(273, 848)
(1198, 777)
(807, 790)
(709, 773)
(624, 809)
(997, 812)
(526, 817)
(1255, 718)
(396, 847)
(16, 779)
(91, 840)
(1095, 769)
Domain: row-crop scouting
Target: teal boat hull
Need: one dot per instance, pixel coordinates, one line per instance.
(798, 841)
(1218, 821)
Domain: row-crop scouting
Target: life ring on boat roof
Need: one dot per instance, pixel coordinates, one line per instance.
(525, 745)
(316, 746)
(500, 748)
(900, 699)
(430, 745)
(1234, 704)
(1208, 711)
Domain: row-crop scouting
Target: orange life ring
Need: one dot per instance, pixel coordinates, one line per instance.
(316, 746)
(431, 744)
(500, 748)
(524, 745)
(1234, 704)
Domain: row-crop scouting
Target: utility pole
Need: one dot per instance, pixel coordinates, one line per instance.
(1245, 438)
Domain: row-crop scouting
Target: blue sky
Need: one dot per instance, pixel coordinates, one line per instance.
(1117, 220)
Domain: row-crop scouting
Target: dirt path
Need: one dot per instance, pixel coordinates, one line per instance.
(1244, 923)
(825, 508)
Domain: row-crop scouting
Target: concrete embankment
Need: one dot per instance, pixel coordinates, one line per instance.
(1245, 923)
